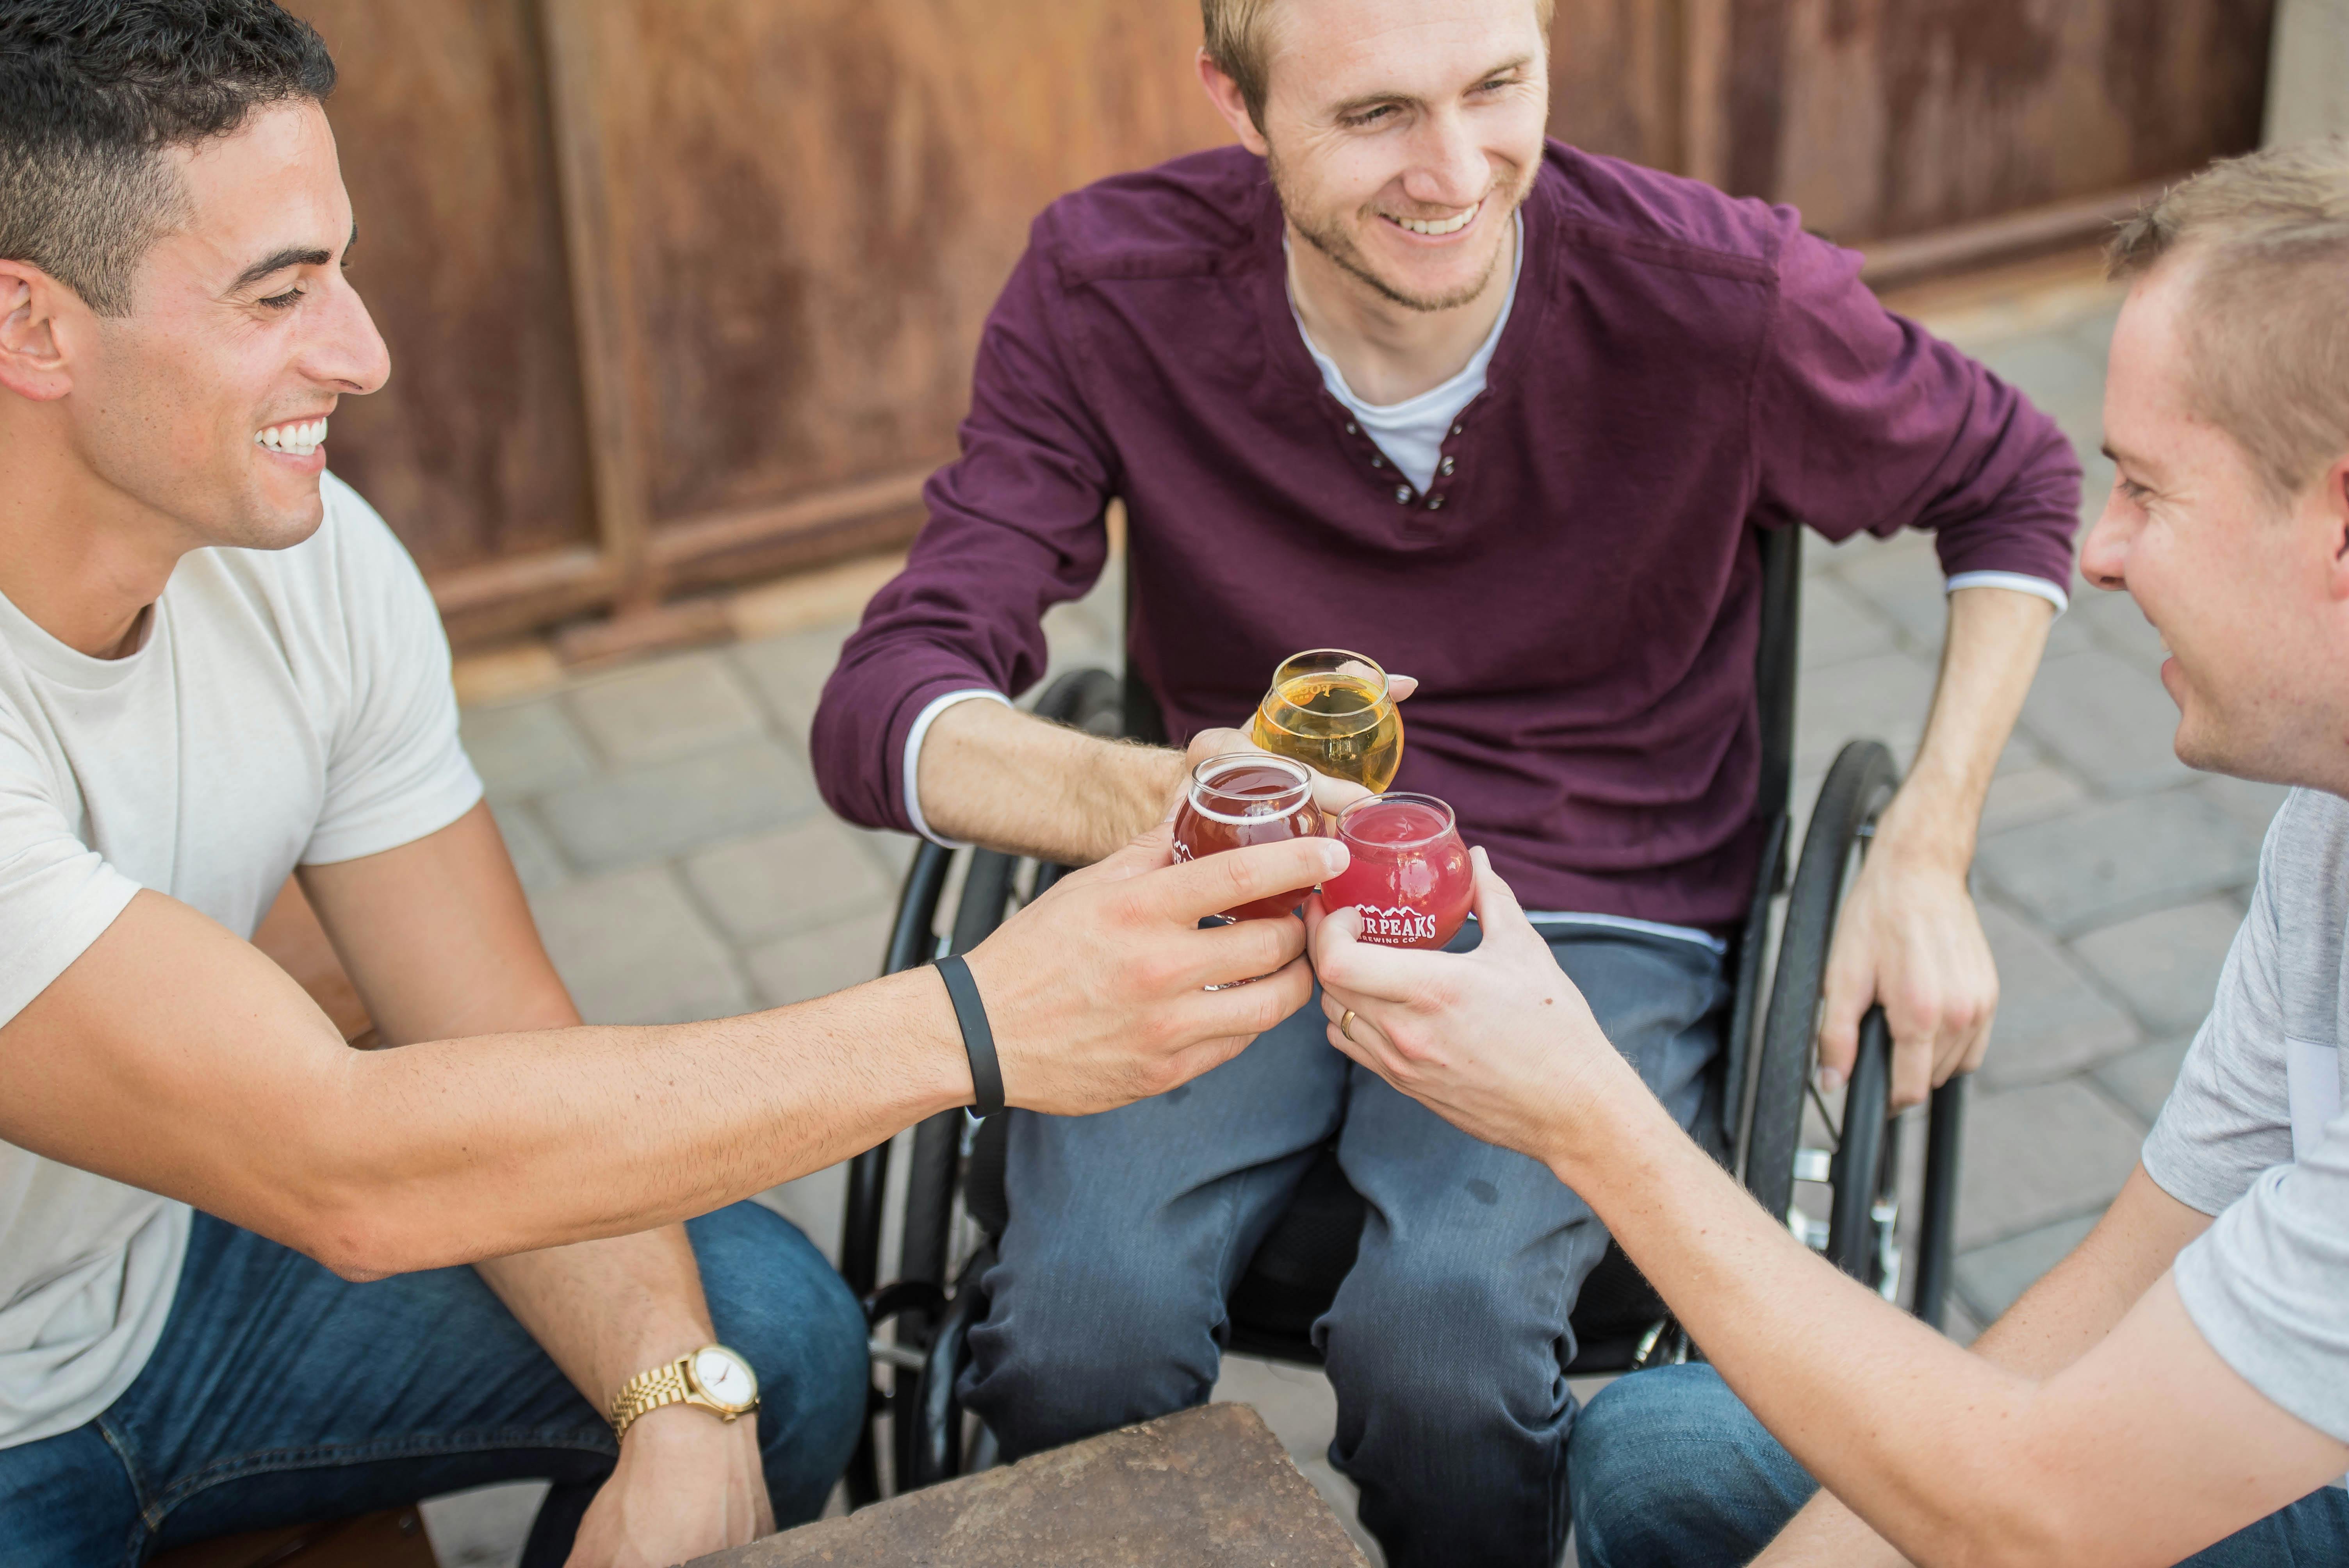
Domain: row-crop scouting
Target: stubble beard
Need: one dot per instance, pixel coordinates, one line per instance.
(1329, 237)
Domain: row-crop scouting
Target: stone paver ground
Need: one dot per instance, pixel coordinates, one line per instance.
(682, 866)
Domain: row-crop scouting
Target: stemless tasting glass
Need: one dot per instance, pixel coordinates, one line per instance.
(1330, 709)
(1409, 874)
(1244, 798)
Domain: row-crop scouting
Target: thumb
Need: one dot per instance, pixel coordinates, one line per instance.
(1496, 906)
(1400, 688)
(1333, 930)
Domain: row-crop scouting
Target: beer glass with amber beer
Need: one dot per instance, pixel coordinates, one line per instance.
(1409, 877)
(1330, 709)
(1245, 798)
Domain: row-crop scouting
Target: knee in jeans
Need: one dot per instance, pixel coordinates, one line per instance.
(1080, 1348)
(1641, 1465)
(1439, 1346)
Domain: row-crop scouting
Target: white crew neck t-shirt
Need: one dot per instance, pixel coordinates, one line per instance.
(286, 707)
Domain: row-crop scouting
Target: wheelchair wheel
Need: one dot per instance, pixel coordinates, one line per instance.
(1860, 1233)
(940, 1242)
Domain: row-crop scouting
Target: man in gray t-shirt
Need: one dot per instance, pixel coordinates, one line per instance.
(2179, 1386)
(2250, 1133)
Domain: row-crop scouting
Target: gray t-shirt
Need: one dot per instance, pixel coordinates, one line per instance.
(2253, 1132)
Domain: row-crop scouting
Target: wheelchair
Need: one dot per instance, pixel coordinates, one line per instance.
(1760, 1112)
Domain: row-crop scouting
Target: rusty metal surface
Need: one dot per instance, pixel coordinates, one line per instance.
(821, 197)
(789, 218)
(1618, 79)
(1884, 117)
(1206, 1489)
(474, 451)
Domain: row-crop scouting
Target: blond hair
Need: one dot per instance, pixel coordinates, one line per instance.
(2268, 331)
(1235, 42)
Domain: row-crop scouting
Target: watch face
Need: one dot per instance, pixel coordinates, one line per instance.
(724, 1377)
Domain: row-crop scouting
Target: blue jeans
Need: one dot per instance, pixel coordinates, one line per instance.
(281, 1394)
(1447, 1341)
(1670, 1471)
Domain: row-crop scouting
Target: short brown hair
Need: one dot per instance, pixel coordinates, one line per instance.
(2268, 333)
(1235, 42)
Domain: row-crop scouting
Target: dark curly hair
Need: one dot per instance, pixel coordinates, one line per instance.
(93, 91)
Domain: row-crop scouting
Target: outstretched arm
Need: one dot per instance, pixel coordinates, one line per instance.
(1947, 1456)
(173, 1055)
(2072, 1307)
(1908, 936)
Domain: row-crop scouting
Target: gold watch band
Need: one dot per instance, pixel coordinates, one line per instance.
(649, 1390)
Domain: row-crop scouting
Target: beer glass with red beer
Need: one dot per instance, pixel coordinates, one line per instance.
(1409, 875)
(1245, 798)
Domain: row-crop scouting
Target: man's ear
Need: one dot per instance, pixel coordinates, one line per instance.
(2331, 500)
(32, 357)
(1225, 94)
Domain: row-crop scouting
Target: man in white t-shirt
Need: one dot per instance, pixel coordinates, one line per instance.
(217, 666)
(2179, 1386)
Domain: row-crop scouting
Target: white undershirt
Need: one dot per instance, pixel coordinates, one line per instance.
(1412, 432)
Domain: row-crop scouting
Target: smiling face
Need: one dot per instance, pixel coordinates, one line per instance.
(2249, 591)
(1403, 134)
(207, 404)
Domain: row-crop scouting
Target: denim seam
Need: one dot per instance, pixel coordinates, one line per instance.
(319, 1456)
(134, 1544)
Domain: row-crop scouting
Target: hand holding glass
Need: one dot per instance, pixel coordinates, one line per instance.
(1245, 798)
(1330, 709)
(1410, 877)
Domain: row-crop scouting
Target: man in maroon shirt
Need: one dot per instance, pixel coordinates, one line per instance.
(1396, 375)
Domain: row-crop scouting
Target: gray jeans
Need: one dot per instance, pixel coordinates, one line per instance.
(1448, 1341)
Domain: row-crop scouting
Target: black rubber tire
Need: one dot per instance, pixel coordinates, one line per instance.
(1858, 1175)
(1857, 789)
(1090, 699)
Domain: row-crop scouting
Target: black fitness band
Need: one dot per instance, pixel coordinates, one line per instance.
(977, 1040)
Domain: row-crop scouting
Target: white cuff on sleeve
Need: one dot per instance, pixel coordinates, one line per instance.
(2021, 582)
(922, 722)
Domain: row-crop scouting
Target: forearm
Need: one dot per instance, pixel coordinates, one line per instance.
(1995, 638)
(450, 1151)
(1889, 1415)
(1946, 1455)
(2054, 1323)
(607, 1310)
(1005, 778)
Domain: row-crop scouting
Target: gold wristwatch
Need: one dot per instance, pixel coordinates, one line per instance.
(713, 1378)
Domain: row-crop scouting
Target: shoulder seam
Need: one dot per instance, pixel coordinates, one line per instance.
(1685, 257)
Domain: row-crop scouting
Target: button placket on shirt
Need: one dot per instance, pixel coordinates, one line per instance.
(1447, 465)
(1447, 469)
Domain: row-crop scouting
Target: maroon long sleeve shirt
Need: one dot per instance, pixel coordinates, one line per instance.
(1578, 590)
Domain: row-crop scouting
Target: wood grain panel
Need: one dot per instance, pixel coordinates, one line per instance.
(1617, 78)
(475, 451)
(1884, 118)
(821, 197)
